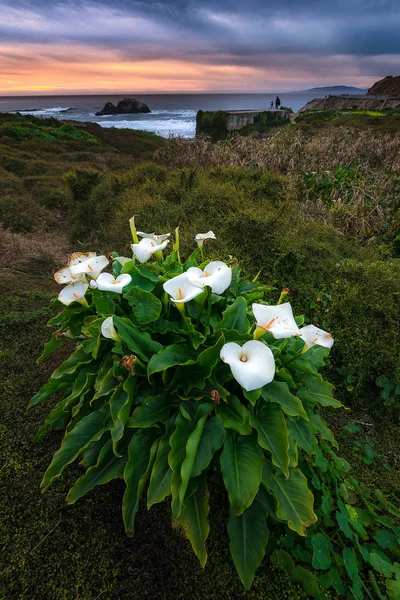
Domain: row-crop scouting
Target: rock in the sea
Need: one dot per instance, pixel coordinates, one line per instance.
(127, 106)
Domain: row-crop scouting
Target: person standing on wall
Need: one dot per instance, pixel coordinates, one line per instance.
(277, 102)
(271, 106)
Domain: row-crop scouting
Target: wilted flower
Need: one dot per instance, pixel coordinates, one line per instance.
(146, 248)
(181, 289)
(108, 330)
(216, 274)
(108, 283)
(201, 237)
(312, 336)
(252, 364)
(64, 275)
(74, 292)
(278, 320)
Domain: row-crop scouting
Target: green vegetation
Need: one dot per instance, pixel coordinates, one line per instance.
(271, 205)
(212, 123)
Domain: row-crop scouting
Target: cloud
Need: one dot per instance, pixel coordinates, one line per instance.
(287, 43)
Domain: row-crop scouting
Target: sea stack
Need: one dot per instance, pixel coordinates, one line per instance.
(127, 106)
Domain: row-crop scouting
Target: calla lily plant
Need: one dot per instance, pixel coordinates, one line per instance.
(182, 368)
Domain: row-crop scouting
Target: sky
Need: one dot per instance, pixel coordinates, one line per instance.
(101, 46)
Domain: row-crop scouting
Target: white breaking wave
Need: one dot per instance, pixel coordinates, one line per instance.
(165, 128)
(44, 112)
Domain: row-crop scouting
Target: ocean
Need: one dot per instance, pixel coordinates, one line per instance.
(172, 114)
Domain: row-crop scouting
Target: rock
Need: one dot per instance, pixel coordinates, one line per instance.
(389, 86)
(127, 106)
(348, 103)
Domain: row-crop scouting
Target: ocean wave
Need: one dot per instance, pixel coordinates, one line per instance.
(44, 112)
(165, 128)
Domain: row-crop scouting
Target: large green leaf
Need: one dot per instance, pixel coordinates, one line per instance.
(323, 429)
(322, 549)
(318, 391)
(194, 521)
(304, 434)
(154, 409)
(235, 317)
(146, 306)
(141, 454)
(278, 391)
(176, 456)
(87, 430)
(176, 354)
(160, 479)
(241, 465)
(55, 342)
(294, 499)
(248, 535)
(108, 467)
(234, 415)
(50, 388)
(138, 341)
(207, 438)
(69, 366)
(273, 434)
(211, 356)
(120, 408)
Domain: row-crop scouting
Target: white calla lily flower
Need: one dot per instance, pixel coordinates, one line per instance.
(74, 292)
(312, 336)
(252, 364)
(146, 248)
(181, 289)
(278, 320)
(154, 236)
(108, 283)
(65, 275)
(92, 266)
(201, 237)
(216, 274)
(108, 330)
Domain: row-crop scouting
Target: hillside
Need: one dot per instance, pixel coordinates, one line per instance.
(389, 86)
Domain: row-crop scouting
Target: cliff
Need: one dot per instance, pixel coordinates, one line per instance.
(343, 103)
(389, 86)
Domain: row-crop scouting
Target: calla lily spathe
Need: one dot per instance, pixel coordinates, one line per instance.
(108, 330)
(108, 283)
(64, 275)
(154, 236)
(93, 266)
(216, 274)
(312, 336)
(278, 320)
(146, 248)
(201, 237)
(74, 292)
(252, 364)
(181, 289)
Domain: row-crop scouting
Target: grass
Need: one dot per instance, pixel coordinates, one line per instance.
(268, 216)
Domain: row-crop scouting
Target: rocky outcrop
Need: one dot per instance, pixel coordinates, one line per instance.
(343, 103)
(127, 106)
(389, 86)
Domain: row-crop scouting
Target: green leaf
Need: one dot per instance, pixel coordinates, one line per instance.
(120, 408)
(211, 356)
(303, 433)
(50, 388)
(146, 306)
(154, 409)
(381, 563)
(323, 429)
(241, 465)
(350, 562)
(352, 427)
(138, 341)
(55, 342)
(139, 280)
(176, 456)
(104, 302)
(337, 582)
(278, 391)
(87, 430)
(160, 479)
(282, 560)
(294, 499)
(141, 454)
(248, 535)
(386, 539)
(235, 317)
(202, 443)
(176, 354)
(308, 581)
(108, 467)
(317, 390)
(393, 589)
(273, 435)
(321, 552)
(194, 521)
(68, 367)
(234, 415)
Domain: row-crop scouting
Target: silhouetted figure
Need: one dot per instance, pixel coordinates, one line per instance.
(271, 106)
(277, 102)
